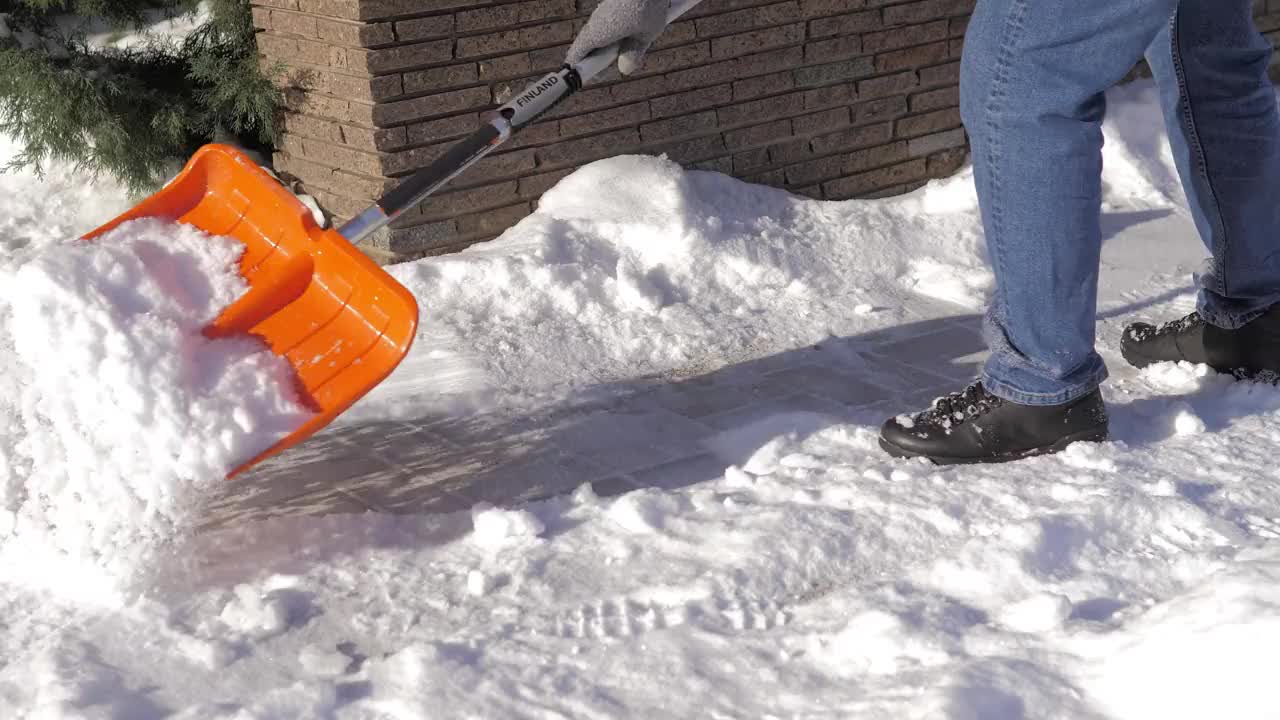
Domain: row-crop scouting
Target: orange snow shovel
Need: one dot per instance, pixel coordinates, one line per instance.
(340, 320)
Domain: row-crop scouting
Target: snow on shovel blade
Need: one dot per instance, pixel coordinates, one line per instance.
(340, 321)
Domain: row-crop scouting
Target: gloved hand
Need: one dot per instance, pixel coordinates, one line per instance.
(633, 24)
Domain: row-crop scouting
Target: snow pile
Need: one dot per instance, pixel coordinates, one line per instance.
(633, 265)
(116, 413)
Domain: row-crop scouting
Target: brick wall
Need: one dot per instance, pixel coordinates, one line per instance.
(829, 98)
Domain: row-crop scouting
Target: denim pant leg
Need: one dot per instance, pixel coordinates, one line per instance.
(1032, 80)
(1224, 128)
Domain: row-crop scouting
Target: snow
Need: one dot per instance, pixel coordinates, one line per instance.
(814, 577)
(117, 416)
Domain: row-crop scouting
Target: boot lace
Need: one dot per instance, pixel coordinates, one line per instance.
(959, 407)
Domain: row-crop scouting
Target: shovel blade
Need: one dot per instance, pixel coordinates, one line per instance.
(342, 323)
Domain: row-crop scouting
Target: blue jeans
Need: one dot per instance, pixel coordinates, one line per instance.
(1032, 82)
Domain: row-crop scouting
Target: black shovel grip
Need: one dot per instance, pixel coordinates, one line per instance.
(420, 184)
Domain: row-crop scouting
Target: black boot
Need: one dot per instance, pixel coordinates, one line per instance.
(973, 426)
(1251, 351)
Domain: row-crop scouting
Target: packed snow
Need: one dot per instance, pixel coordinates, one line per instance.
(816, 577)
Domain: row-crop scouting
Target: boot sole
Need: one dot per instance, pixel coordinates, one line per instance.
(1095, 434)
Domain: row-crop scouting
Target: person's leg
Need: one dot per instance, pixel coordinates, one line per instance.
(1032, 81)
(1224, 128)
(1220, 109)
(1031, 92)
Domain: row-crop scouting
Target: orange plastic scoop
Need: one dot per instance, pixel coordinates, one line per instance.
(340, 320)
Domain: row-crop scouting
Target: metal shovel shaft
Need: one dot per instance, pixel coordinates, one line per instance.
(516, 113)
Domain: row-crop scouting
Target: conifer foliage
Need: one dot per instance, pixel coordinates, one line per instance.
(134, 112)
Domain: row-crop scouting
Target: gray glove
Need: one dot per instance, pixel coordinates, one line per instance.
(633, 24)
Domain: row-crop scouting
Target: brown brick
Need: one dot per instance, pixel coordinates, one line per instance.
(918, 12)
(830, 95)
(757, 110)
(435, 130)
(720, 165)
(677, 33)
(594, 147)
(337, 204)
(691, 151)
(620, 116)
(514, 14)
(508, 66)
(850, 138)
(913, 57)
(821, 121)
(904, 37)
(328, 107)
(835, 72)
(861, 183)
(640, 89)
(281, 4)
(545, 60)
(384, 139)
(940, 74)
(935, 99)
(888, 84)
(280, 47)
(930, 122)
(534, 185)
(421, 237)
(492, 222)
(749, 42)
(539, 133)
(440, 78)
(679, 126)
(851, 24)
(313, 128)
(379, 9)
(512, 40)
(814, 170)
(355, 34)
(401, 57)
(772, 177)
(760, 16)
(819, 8)
(757, 135)
(361, 186)
(261, 17)
(837, 48)
(349, 9)
(930, 144)
(333, 155)
(424, 28)
(661, 61)
(394, 113)
(343, 86)
(958, 26)
(750, 160)
(313, 52)
(878, 110)
(763, 85)
(294, 24)
(309, 172)
(790, 151)
(769, 61)
(685, 102)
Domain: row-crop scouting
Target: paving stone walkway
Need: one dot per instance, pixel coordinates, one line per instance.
(649, 433)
